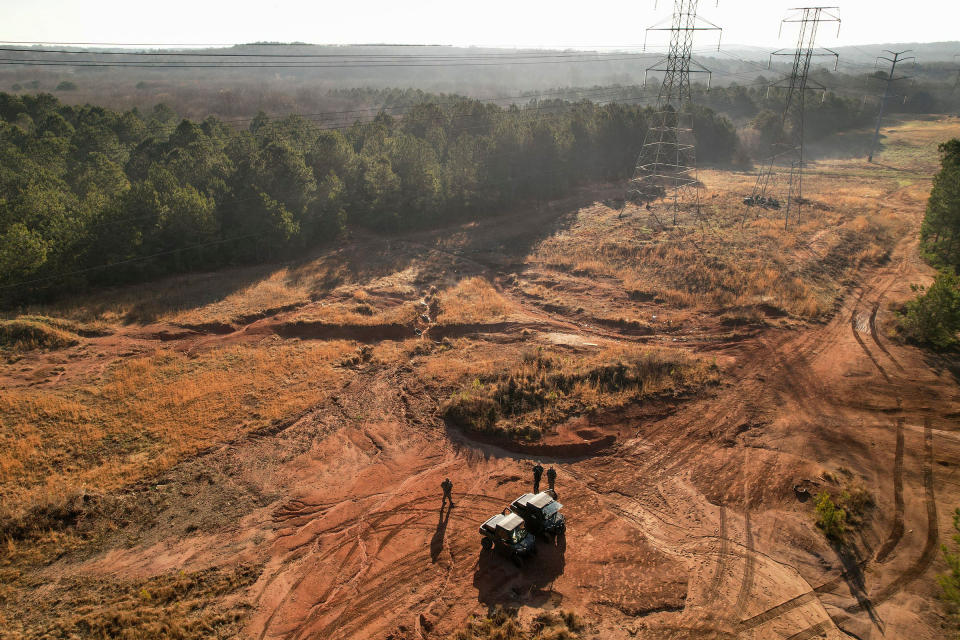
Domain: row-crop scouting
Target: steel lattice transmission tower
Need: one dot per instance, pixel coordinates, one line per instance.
(666, 167)
(894, 61)
(787, 149)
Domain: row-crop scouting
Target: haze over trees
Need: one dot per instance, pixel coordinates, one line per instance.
(86, 186)
(91, 195)
(309, 85)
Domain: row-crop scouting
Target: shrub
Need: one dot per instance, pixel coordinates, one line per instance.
(540, 390)
(472, 412)
(67, 85)
(502, 624)
(933, 317)
(831, 518)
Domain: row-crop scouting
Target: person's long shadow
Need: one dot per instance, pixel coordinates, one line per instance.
(853, 574)
(436, 543)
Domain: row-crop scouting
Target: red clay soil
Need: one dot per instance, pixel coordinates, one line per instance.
(689, 526)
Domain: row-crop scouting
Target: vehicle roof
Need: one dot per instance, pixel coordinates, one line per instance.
(491, 523)
(541, 500)
(510, 522)
(523, 500)
(537, 501)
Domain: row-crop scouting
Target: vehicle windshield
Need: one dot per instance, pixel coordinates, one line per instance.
(550, 511)
(519, 534)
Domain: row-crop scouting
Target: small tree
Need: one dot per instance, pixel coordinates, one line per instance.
(831, 519)
(933, 317)
(940, 232)
(950, 582)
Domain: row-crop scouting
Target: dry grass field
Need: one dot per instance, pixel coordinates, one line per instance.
(532, 393)
(257, 452)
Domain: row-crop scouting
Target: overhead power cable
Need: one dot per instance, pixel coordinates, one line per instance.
(359, 56)
(303, 65)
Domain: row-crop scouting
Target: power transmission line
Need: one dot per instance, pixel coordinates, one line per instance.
(293, 65)
(666, 167)
(347, 56)
(788, 146)
(894, 61)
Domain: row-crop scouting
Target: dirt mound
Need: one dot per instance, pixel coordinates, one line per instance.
(324, 331)
(441, 331)
(29, 333)
(214, 328)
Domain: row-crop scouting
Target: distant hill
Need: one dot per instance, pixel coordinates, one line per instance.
(283, 78)
(926, 52)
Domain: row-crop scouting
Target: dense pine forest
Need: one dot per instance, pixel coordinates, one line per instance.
(89, 195)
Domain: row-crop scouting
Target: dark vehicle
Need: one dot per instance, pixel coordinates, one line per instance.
(508, 534)
(541, 513)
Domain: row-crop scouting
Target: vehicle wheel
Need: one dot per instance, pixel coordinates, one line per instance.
(487, 544)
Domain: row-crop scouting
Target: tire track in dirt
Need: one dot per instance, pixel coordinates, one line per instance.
(863, 345)
(296, 585)
(795, 602)
(910, 574)
(896, 530)
(814, 631)
(777, 611)
(876, 336)
(722, 559)
(354, 544)
(377, 594)
(322, 604)
(381, 593)
(749, 567)
(933, 532)
(372, 523)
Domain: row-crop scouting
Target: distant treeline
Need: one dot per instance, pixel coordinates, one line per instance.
(82, 187)
(219, 89)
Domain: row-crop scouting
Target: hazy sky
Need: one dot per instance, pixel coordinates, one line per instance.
(558, 23)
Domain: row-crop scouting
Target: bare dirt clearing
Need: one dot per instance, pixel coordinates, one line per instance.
(286, 422)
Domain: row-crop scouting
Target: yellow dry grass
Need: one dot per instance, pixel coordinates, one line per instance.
(742, 258)
(525, 392)
(221, 296)
(357, 312)
(735, 260)
(274, 292)
(472, 300)
(150, 412)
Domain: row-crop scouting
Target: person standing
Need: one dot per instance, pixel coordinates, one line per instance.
(551, 477)
(537, 473)
(447, 487)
